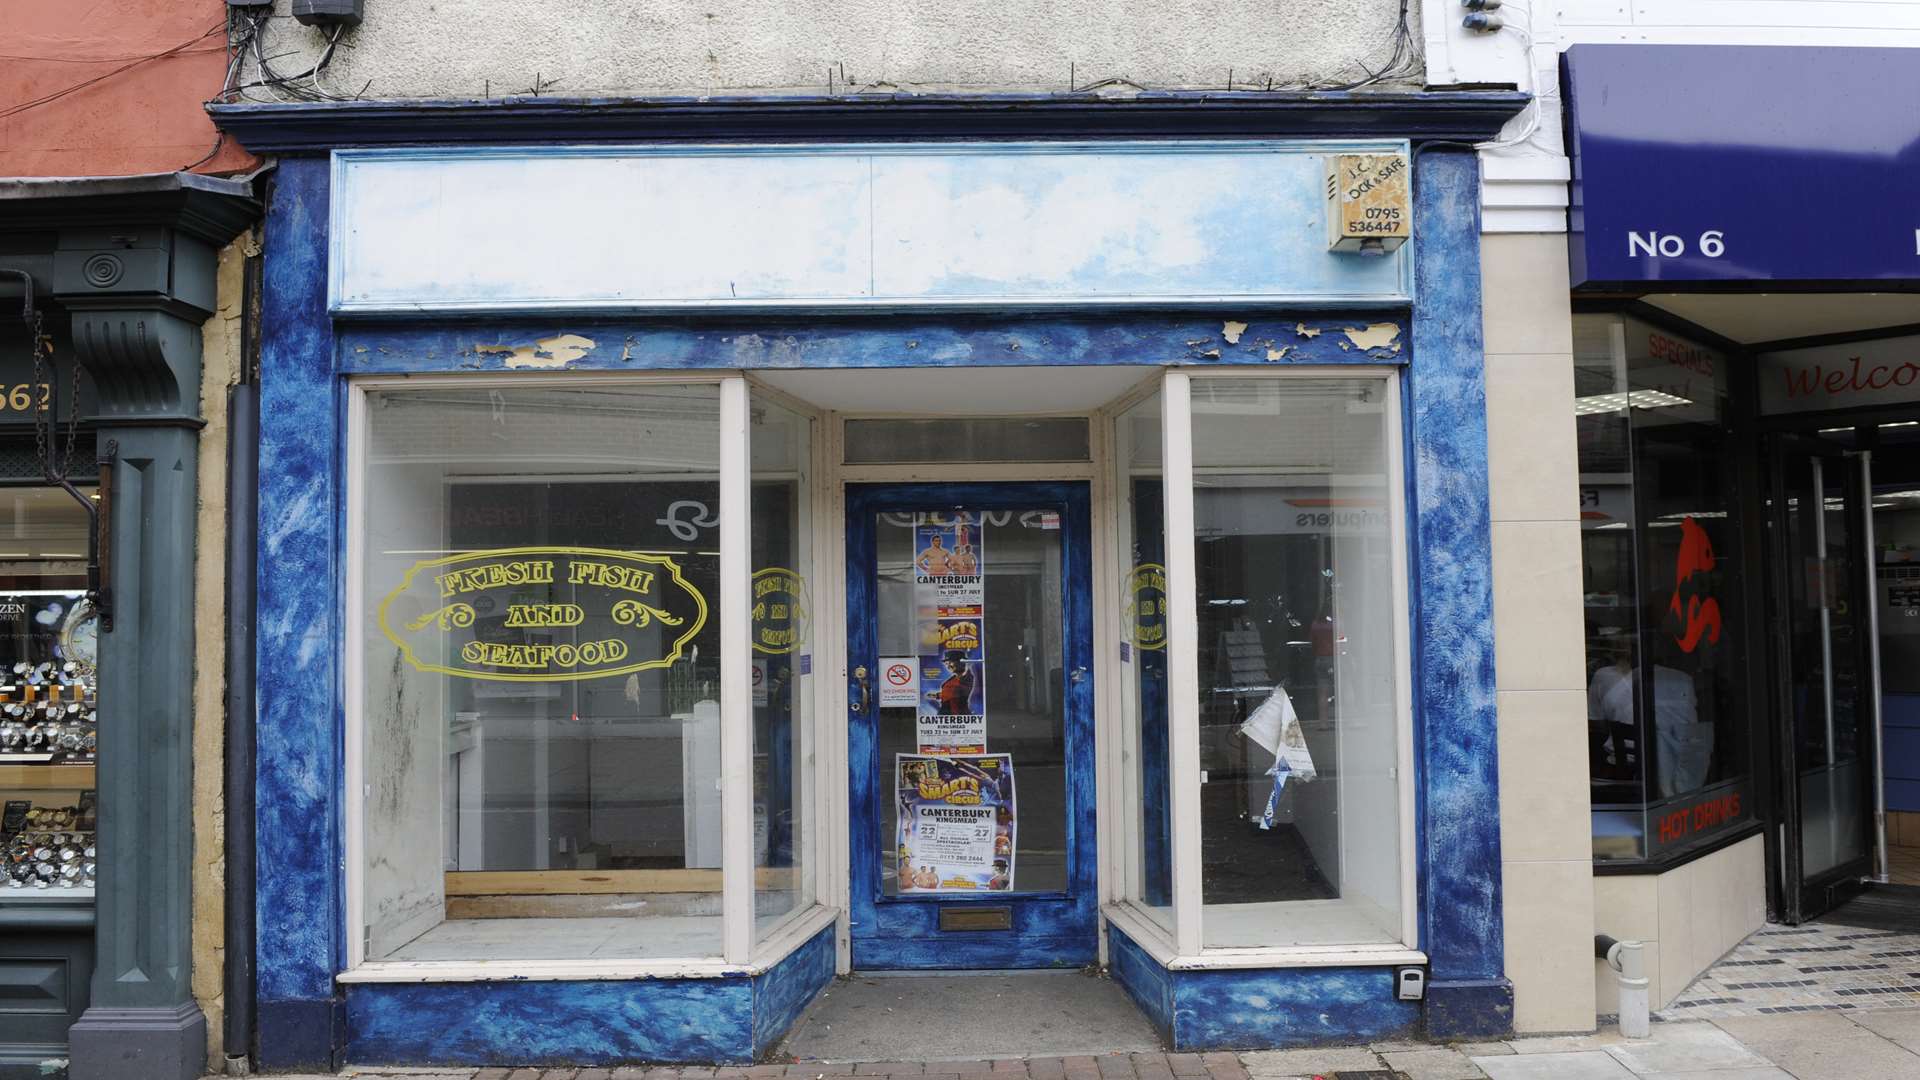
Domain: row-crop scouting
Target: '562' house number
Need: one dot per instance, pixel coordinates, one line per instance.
(25, 397)
(1659, 245)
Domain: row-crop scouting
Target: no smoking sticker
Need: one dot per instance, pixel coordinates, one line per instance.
(897, 683)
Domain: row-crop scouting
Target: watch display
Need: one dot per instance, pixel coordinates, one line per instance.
(47, 679)
(46, 849)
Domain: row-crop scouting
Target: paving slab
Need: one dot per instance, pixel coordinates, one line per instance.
(1433, 1064)
(1688, 1047)
(1759, 1073)
(1901, 1026)
(1564, 1044)
(1822, 1046)
(970, 1017)
(1568, 1065)
(1273, 1064)
(1764, 1072)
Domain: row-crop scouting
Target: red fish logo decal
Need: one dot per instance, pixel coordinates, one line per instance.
(1699, 615)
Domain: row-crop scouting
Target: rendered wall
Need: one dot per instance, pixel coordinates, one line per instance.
(220, 359)
(432, 48)
(142, 116)
(1533, 477)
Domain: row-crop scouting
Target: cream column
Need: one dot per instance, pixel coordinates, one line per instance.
(1539, 648)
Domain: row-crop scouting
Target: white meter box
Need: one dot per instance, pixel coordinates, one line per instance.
(1369, 202)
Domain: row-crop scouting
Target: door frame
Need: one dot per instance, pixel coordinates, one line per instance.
(1801, 899)
(1074, 912)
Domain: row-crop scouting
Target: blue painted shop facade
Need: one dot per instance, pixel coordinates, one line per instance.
(708, 549)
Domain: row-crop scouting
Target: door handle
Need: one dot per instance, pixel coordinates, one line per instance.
(866, 691)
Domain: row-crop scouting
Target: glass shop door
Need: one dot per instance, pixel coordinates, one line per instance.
(970, 726)
(1822, 622)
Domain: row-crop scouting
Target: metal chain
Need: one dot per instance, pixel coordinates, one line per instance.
(73, 418)
(42, 351)
(46, 426)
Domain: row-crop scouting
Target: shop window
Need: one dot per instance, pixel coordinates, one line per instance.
(48, 730)
(1298, 659)
(1140, 540)
(1667, 721)
(783, 626)
(540, 711)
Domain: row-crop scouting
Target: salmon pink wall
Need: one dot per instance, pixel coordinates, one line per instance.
(146, 118)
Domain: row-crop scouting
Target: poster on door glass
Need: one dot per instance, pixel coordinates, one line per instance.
(951, 717)
(948, 563)
(949, 604)
(956, 822)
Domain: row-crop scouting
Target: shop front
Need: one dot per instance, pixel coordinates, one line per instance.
(693, 572)
(1743, 388)
(104, 288)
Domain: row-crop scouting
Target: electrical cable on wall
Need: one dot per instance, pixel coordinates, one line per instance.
(184, 47)
(247, 39)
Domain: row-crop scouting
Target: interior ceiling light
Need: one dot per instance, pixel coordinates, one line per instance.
(1639, 399)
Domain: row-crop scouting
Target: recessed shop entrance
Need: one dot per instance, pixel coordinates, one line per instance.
(970, 726)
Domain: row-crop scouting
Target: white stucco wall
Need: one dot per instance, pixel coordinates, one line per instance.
(471, 48)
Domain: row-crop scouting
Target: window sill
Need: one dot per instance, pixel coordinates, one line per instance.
(1675, 859)
(795, 932)
(1158, 944)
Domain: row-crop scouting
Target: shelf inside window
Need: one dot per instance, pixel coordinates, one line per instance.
(46, 777)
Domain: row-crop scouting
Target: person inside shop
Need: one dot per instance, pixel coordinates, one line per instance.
(1684, 752)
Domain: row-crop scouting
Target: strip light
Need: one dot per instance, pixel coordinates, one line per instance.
(1639, 399)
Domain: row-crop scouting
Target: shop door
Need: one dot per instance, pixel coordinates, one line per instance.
(970, 726)
(1822, 621)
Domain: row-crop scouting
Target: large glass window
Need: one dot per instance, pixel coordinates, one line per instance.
(1140, 532)
(783, 642)
(540, 712)
(1667, 725)
(1299, 713)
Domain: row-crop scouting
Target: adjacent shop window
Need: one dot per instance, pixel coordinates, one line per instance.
(1140, 531)
(48, 730)
(783, 621)
(1666, 713)
(540, 721)
(1301, 730)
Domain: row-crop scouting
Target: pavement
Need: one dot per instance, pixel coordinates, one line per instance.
(1815, 1002)
(1856, 1044)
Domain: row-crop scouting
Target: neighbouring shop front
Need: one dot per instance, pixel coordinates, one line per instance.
(1744, 392)
(693, 571)
(103, 288)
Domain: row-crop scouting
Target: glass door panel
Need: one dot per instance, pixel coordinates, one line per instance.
(1824, 623)
(970, 725)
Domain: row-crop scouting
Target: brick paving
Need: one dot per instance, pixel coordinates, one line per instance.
(1814, 967)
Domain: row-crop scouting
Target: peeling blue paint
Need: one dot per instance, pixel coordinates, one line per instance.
(1291, 338)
